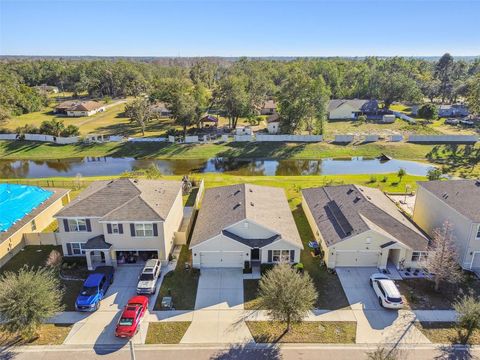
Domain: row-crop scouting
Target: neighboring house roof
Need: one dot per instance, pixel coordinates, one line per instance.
(159, 107)
(88, 105)
(269, 104)
(227, 205)
(125, 200)
(461, 195)
(342, 212)
(357, 105)
(209, 118)
(273, 118)
(66, 104)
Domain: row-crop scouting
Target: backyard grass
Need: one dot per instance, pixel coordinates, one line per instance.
(169, 332)
(36, 256)
(303, 332)
(48, 334)
(181, 284)
(419, 294)
(447, 333)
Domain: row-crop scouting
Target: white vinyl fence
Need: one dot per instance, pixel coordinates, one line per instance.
(371, 138)
(8, 136)
(146, 139)
(191, 139)
(289, 138)
(243, 138)
(443, 139)
(43, 138)
(404, 117)
(395, 138)
(344, 138)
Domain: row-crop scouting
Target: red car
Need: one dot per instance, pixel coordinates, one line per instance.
(132, 314)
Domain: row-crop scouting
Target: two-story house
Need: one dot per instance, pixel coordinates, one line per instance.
(122, 220)
(458, 202)
(244, 223)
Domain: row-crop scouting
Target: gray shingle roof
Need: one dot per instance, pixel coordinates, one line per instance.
(356, 104)
(125, 200)
(228, 205)
(362, 209)
(462, 195)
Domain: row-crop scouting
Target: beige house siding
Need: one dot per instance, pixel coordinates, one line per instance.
(315, 231)
(172, 223)
(279, 245)
(14, 243)
(430, 213)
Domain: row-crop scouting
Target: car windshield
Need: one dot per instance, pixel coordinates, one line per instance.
(125, 321)
(146, 277)
(394, 299)
(88, 291)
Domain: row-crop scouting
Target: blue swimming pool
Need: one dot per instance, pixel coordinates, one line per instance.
(17, 201)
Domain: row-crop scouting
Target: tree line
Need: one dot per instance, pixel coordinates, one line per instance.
(302, 87)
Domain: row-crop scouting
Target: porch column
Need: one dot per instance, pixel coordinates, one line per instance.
(89, 259)
(108, 258)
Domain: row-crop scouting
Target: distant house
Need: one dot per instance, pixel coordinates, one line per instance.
(361, 226)
(273, 124)
(74, 108)
(455, 110)
(44, 88)
(340, 109)
(269, 108)
(160, 109)
(209, 121)
(456, 201)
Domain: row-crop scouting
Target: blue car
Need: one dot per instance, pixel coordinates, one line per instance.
(94, 289)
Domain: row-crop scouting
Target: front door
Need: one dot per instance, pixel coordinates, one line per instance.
(255, 254)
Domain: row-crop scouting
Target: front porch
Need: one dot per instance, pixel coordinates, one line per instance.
(98, 253)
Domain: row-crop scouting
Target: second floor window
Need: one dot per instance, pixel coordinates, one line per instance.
(115, 229)
(478, 232)
(143, 230)
(77, 224)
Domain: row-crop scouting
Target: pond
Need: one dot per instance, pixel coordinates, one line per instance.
(98, 166)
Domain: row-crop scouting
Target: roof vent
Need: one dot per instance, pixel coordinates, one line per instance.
(357, 199)
(252, 204)
(445, 195)
(250, 190)
(477, 182)
(237, 206)
(236, 192)
(135, 181)
(349, 191)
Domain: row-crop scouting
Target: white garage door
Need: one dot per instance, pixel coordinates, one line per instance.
(476, 261)
(356, 258)
(221, 259)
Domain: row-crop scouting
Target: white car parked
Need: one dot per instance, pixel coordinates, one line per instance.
(386, 291)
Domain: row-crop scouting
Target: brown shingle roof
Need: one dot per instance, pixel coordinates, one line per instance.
(86, 106)
(125, 200)
(227, 205)
(462, 195)
(269, 104)
(341, 212)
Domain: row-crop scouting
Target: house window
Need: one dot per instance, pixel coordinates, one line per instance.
(478, 232)
(143, 230)
(77, 249)
(77, 225)
(280, 255)
(34, 225)
(419, 256)
(115, 229)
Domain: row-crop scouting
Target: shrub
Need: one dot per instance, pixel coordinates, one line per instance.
(362, 119)
(384, 179)
(434, 174)
(70, 130)
(26, 129)
(428, 111)
(373, 179)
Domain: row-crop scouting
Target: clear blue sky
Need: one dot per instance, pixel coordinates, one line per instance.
(236, 28)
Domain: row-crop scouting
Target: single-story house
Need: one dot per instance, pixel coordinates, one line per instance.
(455, 201)
(210, 120)
(24, 210)
(455, 110)
(341, 109)
(361, 226)
(73, 108)
(244, 223)
(160, 109)
(113, 221)
(44, 88)
(269, 107)
(273, 124)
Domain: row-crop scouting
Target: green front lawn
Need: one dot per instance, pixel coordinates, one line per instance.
(36, 256)
(419, 294)
(168, 332)
(181, 284)
(48, 334)
(446, 333)
(324, 332)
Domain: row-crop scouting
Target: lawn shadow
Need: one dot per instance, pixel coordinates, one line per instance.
(249, 352)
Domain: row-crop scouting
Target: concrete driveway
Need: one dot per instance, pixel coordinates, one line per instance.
(98, 328)
(374, 323)
(219, 294)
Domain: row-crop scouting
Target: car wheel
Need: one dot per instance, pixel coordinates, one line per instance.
(371, 282)
(97, 306)
(380, 301)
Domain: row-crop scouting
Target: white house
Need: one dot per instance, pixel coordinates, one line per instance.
(273, 124)
(73, 108)
(341, 109)
(458, 202)
(361, 226)
(113, 221)
(269, 108)
(244, 223)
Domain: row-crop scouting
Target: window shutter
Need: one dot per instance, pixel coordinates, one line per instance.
(109, 228)
(120, 228)
(132, 229)
(269, 256)
(89, 226)
(69, 248)
(292, 256)
(155, 230)
(65, 225)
